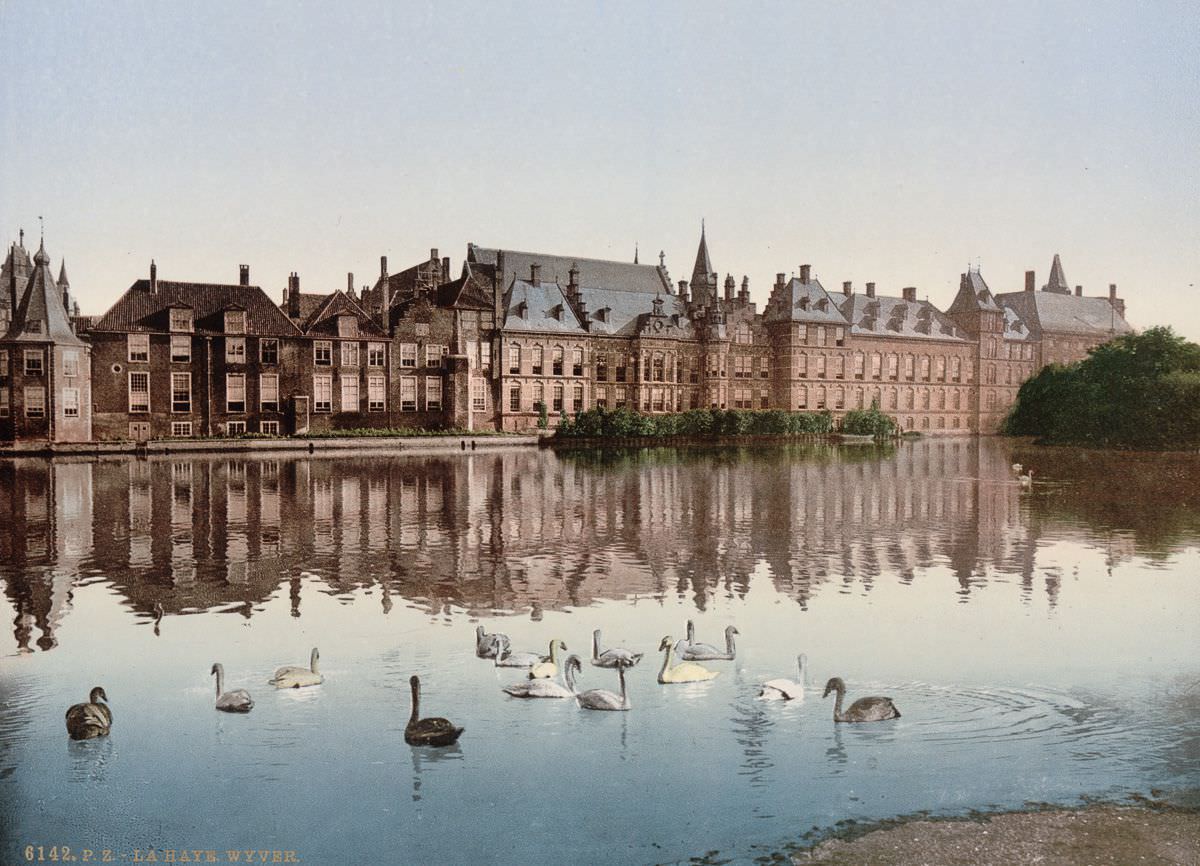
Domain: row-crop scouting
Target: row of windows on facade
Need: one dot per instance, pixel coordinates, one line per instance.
(34, 362)
(350, 353)
(35, 402)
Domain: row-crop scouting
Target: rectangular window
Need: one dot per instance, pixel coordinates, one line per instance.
(925, 368)
(139, 348)
(433, 393)
(536, 369)
(514, 398)
(181, 392)
(858, 365)
(376, 393)
(349, 354)
(955, 369)
(802, 333)
(235, 350)
(893, 367)
(181, 428)
(235, 428)
(539, 396)
(181, 350)
(556, 361)
(764, 367)
(839, 336)
(323, 392)
(820, 366)
(408, 392)
(181, 319)
(478, 395)
(577, 398)
(70, 402)
(3, 363)
(939, 369)
(514, 360)
(268, 392)
(557, 405)
(433, 355)
(139, 392)
(270, 428)
(876, 365)
(577, 362)
(268, 351)
(620, 397)
(235, 321)
(485, 354)
(323, 353)
(802, 367)
(349, 394)
(820, 335)
(70, 363)
(601, 396)
(376, 355)
(235, 392)
(473, 354)
(4, 404)
(408, 355)
(35, 402)
(602, 368)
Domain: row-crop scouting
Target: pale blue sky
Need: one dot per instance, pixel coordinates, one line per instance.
(887, 142)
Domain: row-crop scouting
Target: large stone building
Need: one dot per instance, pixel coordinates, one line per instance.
(517, 331)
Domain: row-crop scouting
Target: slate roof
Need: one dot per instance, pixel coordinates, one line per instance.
(138, 310)
(884, 316)
(618, 276)
(616, 313)
(41, 303)
(14, 275)
(1050, 311)
(1057, 282)
(472, 290)
(542, 308)
(803, 302)
(973, 294)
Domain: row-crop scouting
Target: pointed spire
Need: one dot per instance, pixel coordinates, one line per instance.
(1057, 282)
(63, 282)
(702, 273)
(40, 258)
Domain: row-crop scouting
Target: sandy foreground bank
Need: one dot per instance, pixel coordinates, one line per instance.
(1096, 836)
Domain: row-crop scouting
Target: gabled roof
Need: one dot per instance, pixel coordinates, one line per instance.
(539, 308)
(803, 302)
(973, 295)
(1057, 282)
(1072, 314)
(884, 316)
(615, 276)
(40, 316)
(14, 275)
(472, 290)
(139, 310)
(324, 317)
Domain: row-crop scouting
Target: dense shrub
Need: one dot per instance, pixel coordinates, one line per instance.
(1139, 390)
(695, 423)
(869, 422)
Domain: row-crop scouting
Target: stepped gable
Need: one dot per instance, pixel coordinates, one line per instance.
(40, 316)
(139, 309)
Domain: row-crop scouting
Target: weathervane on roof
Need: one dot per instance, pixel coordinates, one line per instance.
(662, 259)
(42, 225)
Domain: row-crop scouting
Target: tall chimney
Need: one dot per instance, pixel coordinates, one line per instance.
(433, 254)
(153, 278)
(573, 282)
(744, 293)
(729, 286)
(445, 268)
(683, 288)
(350, 283)
(780, 280)
(805, 271)
(243, 275)
(1030, 281)
(870, 290)
(847, 288)
(293, 295)
(1079, 291)
(535, 274)
(383, 271)
(1117, 303)
(910, 294)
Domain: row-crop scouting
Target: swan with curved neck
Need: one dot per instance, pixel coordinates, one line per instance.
(1026, 479)
(684, 672)
(785, 689)
(548, 666)
(603, 699)
(93, 719)
(506, 658)
(693, 651)
(872, 709)
(614, 657)
(433, 731)
(487, 645)
(235, 701)
(549, 688)
(295, 677)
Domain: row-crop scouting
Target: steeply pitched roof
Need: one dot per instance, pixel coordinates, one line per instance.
(539, 308)
(14, 276)
(1072, 314)
(618, 313)
(324, 318)
(616, 276)
(803, 302)
(472, 290)
(40, 316)
(138, 310)
(884, 316)
(973, 295)
(1057, 282)
(702, 271)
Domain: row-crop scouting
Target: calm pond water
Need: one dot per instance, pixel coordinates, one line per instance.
(1041, 645)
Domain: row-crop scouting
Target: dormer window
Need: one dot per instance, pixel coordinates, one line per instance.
(33, 327)
(235, 321)
(522, 309)
(804, 303)
(182, 320)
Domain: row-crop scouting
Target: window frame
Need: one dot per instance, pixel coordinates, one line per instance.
(139, 410)
(175, 404)
(137, 348)
(230, 379)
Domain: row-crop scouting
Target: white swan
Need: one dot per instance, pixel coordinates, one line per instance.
(487, 645)
(548, 688)
(505, 658)
(693, 651)
(236, 701)
(614, 657)
(1017, 467)
(684, 672)
(784, 689)
(294, 676)
(548, 666)
(602, 699)
(1026, 479)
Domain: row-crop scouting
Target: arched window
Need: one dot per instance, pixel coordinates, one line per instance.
(577, 362)
(514, 358)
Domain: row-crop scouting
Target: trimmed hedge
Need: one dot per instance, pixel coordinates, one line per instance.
(869, 422)
(701, 423)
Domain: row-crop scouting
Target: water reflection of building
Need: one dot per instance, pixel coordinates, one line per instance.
(521, 529)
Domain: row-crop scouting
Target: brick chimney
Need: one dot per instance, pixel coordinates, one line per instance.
(805, 271)
(729, 287)
(1030, 281)
(445, 268)
(683, 287)
(433, 254)
(910, 294)
(744, 293)
(535, 274)
(780, 280)
(350, 283)
(870, 290)
(293, 295)
(847, 288)
(243, 275)
(1117, 303)
(153, 278)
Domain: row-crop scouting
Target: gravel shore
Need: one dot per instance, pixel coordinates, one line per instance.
(1095, 836)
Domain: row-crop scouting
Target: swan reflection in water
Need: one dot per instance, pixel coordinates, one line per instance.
(426, 761)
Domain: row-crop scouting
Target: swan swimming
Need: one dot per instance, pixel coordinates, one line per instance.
(93, 719)
(873, 709)
(548, 688)
(696, 652)
(433, 731)
(236, 701)
(603, 699)
(785, 689)
(612, 658)
(684, 672)
(548, 666)
(294, 676)
(487, 645)
(1026, 479)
